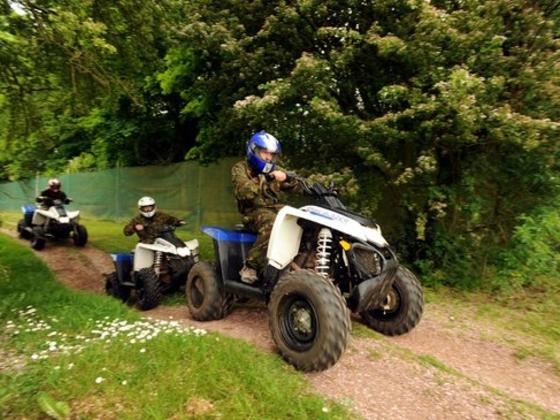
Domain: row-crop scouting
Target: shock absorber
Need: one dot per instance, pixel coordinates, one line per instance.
(157, 262)
(323, 254)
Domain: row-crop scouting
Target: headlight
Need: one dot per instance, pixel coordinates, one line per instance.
(368, 260)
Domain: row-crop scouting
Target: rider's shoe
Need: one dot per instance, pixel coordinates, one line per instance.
(248, 275)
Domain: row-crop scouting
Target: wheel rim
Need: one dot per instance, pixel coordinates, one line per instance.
(390, 306)
(197, 292)
(298, 322)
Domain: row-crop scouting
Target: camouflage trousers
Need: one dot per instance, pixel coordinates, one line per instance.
(260, 222)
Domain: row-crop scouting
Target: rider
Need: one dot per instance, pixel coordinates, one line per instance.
(257, 181)
(149, 222)
(52, 193)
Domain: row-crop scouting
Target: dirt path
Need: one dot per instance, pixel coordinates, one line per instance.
(445, 368)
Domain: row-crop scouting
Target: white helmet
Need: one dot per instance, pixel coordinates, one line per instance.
(54, 183)
(147, 206)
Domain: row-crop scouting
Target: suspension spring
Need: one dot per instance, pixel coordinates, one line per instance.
(157, 262)
(323, 254)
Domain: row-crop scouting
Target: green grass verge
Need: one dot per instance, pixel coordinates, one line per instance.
(70, 353)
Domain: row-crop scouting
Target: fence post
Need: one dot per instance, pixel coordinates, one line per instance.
(117, 191)
(36, 184)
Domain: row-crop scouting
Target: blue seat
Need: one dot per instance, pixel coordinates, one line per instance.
(221, 234)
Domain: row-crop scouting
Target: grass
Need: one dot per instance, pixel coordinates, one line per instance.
(67, 353)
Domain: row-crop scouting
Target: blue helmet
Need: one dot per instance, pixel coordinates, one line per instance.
(262, 141)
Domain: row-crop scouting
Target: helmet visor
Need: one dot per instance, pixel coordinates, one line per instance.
(265, 155)
(147, 209)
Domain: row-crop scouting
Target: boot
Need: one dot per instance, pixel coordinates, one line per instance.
(248, 275)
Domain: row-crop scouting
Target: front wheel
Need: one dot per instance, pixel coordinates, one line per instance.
(309, 321)
(80, 235)
(149, 289)
(115, 289)
(37, 241)
(401, 309)
(23, 233)
(205, 296)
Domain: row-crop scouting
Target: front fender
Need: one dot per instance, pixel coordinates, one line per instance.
(144, 256)
(371, 292)
(286, 233)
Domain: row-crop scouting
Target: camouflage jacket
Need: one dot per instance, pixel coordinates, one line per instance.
(152, 226)
(253, 191)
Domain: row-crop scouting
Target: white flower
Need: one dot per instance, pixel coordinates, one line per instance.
(124, 382)
(142, 350)
(326, 409)
(34, 356)
(71, 365)
(99, 379)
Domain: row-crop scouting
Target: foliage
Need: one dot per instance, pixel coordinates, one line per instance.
(444, 115)
(532, 259)
(75, 78)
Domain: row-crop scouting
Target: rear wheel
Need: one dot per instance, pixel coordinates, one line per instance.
(80, 235)
(309, 321)
(205, 296)
(149, 289)
(402, 308)
(115, 289)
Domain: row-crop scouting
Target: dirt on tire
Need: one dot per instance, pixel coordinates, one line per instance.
(444, 368)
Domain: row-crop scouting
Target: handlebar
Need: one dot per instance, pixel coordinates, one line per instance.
(50, 201)
(316, 190)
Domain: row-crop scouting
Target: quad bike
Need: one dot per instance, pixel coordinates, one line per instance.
(51, 221)
(152, 269)
(323, 262)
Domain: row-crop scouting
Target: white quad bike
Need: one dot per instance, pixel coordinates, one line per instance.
(51, 221)
(152, 269)
(323, 262)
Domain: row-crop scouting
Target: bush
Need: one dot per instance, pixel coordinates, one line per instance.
(533, 258)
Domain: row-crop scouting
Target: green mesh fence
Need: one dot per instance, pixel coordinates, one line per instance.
(199, 194)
